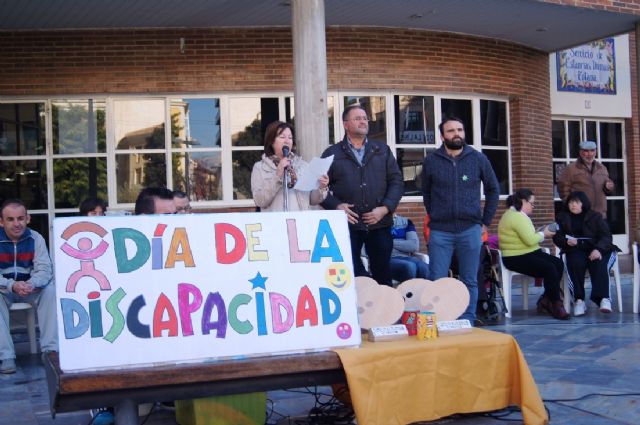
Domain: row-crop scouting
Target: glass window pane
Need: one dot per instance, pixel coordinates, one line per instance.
(558, 140)
(22, 129)
(410, 163)
(574, 138)
(195, 122)
(558, 168)
(26, 180)
(616, 174)
(462, 109)
(137, 171)
(78, 126)
(250, 117)
(591, 131)
(199, 174)
(414, 120)
(493, 123)
(139, 124)
(610, 140)
(616, 216)
(376, 108)
(40, 223)
(500, 162)
(242, 165)
(78, 178)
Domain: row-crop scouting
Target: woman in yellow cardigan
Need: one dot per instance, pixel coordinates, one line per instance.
(520, 246)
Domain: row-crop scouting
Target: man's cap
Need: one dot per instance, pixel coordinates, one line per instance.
(587, 145)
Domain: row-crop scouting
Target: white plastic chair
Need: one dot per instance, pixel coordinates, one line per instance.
(506, 277)
(31, 322)
(636, 277)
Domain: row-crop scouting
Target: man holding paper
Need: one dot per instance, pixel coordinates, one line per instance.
(274, 178)
(366, 183)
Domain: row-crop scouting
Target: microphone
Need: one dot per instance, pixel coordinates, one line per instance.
(553, 227)
(285, 151)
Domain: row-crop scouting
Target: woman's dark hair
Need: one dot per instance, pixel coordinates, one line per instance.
(91, 204)
(274, 130)
(518, 196)
(578, 196)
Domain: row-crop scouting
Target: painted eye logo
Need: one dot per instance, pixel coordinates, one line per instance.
(344, 331)
(338, 275)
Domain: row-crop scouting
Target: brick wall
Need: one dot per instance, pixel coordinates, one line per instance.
(48, 63)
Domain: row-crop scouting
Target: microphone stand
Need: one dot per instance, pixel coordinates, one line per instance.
(285, 181)
(285, 190)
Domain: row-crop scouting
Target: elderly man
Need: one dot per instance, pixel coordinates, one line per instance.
(589, 176)
(26, 276)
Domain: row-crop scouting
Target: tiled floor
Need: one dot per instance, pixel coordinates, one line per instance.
(586, 356)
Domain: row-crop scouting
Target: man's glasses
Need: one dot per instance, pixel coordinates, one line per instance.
(184, 209)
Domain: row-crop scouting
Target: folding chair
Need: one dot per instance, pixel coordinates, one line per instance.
(568, 296)
(506, 276)
(29, 311)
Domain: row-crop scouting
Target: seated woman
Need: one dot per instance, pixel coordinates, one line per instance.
(93, 207)
(519, 243)
(585, 239)
(404, 264)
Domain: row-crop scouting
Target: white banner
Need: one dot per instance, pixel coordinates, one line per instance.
(178, 288)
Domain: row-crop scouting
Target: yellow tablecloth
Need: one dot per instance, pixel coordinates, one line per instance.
(408, 381)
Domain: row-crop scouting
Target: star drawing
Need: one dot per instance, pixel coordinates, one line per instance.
(258, 281)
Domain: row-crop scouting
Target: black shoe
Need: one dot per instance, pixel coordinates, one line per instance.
(544, 305)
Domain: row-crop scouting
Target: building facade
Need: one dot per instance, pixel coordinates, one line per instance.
(106, 112)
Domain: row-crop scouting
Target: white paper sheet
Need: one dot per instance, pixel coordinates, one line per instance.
(309, 178)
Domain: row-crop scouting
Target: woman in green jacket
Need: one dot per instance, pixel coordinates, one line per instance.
(520, 246)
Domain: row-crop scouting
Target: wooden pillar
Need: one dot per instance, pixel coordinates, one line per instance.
(310, 77)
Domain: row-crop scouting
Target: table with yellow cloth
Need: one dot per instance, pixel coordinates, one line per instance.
(405, 381)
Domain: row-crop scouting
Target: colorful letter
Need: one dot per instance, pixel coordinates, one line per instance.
(240, 326)
(214, 300)
(332, 250)
(295, 255)
(133, 321)
(71, 307)
(171, 324)
(118, 319)
(306, 308)
(185, 308)
(252, 241)
(279, 303)
(179, 239)
(222, 255)
(143, 249)
(328, 297)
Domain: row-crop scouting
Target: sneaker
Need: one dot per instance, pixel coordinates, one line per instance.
(8, 366)
(605, 305)
(102, 416)
(579, 308)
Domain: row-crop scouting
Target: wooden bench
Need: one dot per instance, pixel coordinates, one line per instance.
(125, 388)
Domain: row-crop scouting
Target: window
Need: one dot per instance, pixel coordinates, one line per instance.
(495, 140)
(415, 137)
(196, 148)
(79, 151)
(609, 137)
(23, 168)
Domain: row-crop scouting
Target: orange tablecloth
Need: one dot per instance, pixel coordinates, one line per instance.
(408, 381)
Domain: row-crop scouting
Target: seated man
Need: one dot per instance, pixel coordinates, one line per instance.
(155, 200)
(181, 199)
(404, 264)
(26, 276)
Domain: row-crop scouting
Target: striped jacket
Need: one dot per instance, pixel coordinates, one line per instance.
(25, 260)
